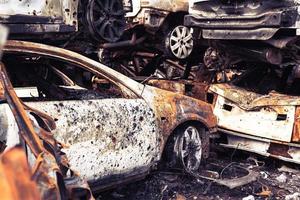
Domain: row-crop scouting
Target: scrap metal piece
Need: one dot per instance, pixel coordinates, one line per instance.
(231, 183)
(237, 182)
(15, 176)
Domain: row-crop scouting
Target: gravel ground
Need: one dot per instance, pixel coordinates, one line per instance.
(276, 180)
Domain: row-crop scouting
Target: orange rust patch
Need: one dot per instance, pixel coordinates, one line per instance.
(296, 131)
(15, 176)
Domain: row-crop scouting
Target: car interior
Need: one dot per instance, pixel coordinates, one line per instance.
(37, 78)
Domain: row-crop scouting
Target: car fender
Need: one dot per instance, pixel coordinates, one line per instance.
(173, 109)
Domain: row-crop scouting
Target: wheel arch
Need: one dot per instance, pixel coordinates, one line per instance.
(169, 21)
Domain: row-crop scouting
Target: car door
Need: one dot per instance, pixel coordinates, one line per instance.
(108, 136)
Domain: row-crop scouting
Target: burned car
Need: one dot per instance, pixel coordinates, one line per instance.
(155, 40)
(264, 124)
(257, 110)
(115, 128)
(63, 20)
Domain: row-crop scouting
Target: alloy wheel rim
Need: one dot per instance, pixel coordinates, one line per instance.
(191, 149)
(181, 42)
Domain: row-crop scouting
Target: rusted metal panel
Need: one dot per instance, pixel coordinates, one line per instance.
(296, 131)
(189, 88)
(173, 86)
(167, 5)
(105, 136)
(64, 9)
(173, 110)
(15, 176)
(273, 122)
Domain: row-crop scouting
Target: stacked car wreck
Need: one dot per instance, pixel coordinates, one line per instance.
(253, 46)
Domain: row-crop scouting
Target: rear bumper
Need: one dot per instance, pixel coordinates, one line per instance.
(26, 24)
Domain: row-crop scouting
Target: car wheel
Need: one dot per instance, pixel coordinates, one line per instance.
(179, 42)
(190, 148)
(106, 19)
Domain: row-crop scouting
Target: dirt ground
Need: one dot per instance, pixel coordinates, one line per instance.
(276, 180)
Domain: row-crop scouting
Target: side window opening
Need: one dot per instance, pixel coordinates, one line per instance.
(38, 78)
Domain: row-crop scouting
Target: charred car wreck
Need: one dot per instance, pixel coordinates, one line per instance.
(255, 113)
(115, 129)
(247, 31)
(253, 53)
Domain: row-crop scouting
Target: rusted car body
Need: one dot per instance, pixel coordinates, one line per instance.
(15, 174)
(263, 124)
(116, 129)
(266, 124)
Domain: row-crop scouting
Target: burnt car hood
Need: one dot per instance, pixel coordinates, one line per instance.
(248, 100)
